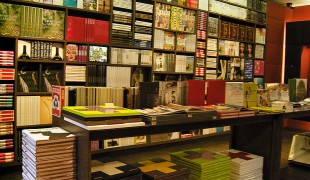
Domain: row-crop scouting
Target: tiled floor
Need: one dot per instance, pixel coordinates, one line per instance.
(288, 172)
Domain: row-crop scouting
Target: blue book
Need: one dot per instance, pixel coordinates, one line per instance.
(70, 3)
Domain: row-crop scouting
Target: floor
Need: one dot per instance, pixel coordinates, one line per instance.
(288, 171)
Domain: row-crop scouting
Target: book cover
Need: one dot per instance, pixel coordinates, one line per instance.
(45, 109)
(90, 5)
(259, 66)
(215, 91)
(250, 95)
(225, 27)
(27, 80)
(58, 100)
(47, 135)
(297, 89)
(149, 94)
(100, 111)
(103, 6)
(70, 3)
(51, 75)
(53, 24)
(234, 31)
(72, 53)
(250, 34)
(169, 40)
(158, 168)
(234, 93)
(108, 168)
(10, 19)
(98, 53)
(76, 29)
(162, 18)
(213, 24)
(196, 93)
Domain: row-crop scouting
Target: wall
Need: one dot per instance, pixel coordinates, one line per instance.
(276, 20)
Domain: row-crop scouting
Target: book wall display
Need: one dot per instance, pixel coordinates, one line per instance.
(76, 53)
(143, 24)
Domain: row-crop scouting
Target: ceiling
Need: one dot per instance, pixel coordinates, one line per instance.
(295, 3)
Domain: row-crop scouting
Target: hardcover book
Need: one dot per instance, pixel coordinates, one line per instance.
(28, 80)
(53, 24)
(50, 76)
(103, 6)
(158, 168)
(242, 33)
(259, 67)
(10, 19)
(90, 5)
(225, 27)
(297, 89)
(98, 53)
(70, 3)
(250, 34)
(213, 24)
(234, 31)
(44, 136)
(108, 168)
(162, 18)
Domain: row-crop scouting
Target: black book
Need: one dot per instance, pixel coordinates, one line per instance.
(27, 80)
(50, 75)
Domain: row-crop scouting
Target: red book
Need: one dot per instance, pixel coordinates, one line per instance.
(58, 94)
(75, 28)
(215, 91)
(7, 52)
(196, 92)
(101, 31)
(259, 67)
(7, 154)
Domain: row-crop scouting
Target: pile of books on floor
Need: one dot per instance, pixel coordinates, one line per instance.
(245, 165)
(48, 153)
(203, 164)
(158, 168)
(108, 168)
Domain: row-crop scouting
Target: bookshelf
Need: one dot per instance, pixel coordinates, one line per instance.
(146, 40)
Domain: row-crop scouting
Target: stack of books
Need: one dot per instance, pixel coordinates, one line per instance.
(107, 168)
(157, 168)
(245, 165)
(203, 164)
(48, 153)
(6, 58)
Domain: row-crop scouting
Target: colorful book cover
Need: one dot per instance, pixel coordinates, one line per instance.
(71, 52)
(297, 89)
(58, 100)
(259, 67)
(250, 95)
(53, 24)
(213, 24)
(10, 19)
(225, 29)
(162, 18)
(181, 42)
(169, 40)
(190, 64)
(90, 5)
(70, 3)
(98, 53)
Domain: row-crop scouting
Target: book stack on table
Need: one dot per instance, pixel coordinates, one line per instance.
(203, 164)
(48, 153)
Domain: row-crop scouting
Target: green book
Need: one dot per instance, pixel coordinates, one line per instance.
(53, 24)
(100, 111)
(9, 19)
(297, 89)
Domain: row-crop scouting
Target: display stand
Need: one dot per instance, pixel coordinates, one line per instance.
(260, 135)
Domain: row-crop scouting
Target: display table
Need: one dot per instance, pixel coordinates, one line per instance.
(260, 135)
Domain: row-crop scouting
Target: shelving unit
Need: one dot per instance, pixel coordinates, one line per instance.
(81, 27)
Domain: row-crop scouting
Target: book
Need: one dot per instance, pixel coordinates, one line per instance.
(28, 80)
(213, 24)
(225, 29)
(259, 67)
(53, 24)
(100, 111)
(162, 18)
(297, 89)
(42, 136)
(98, 53)
(90, 5)
(10, 19)
(109, 168)
(51, 75)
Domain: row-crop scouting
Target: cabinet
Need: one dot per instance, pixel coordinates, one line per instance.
(259, 135)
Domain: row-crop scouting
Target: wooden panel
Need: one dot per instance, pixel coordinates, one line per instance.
(272, 73)
(274, 54)
(275, 31)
